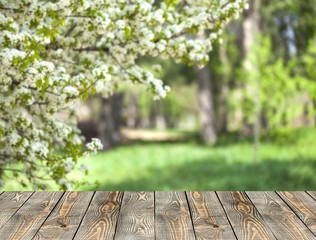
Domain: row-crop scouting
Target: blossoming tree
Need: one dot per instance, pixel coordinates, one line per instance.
(56, 53)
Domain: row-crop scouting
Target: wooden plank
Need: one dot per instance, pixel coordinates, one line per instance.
(64, 220)
(10, 202)
(304, 206)
(312, 193)
(244, 217)
(25, 222)
(136, 218)
(101, 218)
(208, 216)
(282, 221)
(172, 216)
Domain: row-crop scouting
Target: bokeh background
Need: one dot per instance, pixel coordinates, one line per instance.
(244, 122)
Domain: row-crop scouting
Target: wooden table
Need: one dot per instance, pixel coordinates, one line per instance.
(158, 215)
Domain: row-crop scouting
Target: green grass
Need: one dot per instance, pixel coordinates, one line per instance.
(287, 162)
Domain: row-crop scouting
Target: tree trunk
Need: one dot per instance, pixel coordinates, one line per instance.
(133, 112)
(250, 28)
(160, 118)
(222, 105)
(206, 109)
(110, 121)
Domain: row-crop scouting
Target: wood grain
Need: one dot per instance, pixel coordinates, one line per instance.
(25, 222)
(10, 202)
(136, 218)
(101, 218)
(64, 220)
(208, 216)
(244, 217)
(172, 216)
(303, 205)
(282, 221)
(312, 193)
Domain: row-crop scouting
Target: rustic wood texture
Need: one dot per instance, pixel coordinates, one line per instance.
(208, 216)
(244, 217)
(10, 202)
(303, 205)
(101, 218)
(157, 215)
(312, 194)
(136, 218)
(64, 220)
(282, 221)
(172, 216)
(25, 222)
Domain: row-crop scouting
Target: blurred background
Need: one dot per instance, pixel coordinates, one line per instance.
(244, 122)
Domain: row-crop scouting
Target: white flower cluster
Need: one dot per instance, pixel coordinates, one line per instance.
(54, 53)
(94, 146)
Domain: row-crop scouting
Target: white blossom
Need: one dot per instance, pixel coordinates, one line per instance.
(72, 91)
(55, 53)
(94, 145)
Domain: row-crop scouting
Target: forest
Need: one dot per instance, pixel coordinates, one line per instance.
(244, 121)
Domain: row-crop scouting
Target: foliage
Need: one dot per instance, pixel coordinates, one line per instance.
(282, 88)
(54, 53)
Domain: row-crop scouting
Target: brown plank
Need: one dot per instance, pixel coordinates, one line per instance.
(10, 202)
(208, 216)
(25, 222)
(136, 217)
(304, 206)
(280, 218)
(64, 220)
(244, 217)
(101, 218)
(172, 216)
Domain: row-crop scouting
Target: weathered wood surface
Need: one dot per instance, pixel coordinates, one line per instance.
(244, 217)
(136, 216)
(173, 220)
(279, 217)
(157, 215)
(208, 216)
(101, 218)
(10, 202)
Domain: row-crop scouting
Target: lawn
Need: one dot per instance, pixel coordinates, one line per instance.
(287, 162)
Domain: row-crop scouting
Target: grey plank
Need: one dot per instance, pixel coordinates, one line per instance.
(136, 217)
(10, 202)
(208, 216)
(312, 193)
(172, 216)
(280, 218)
(244, 217)
(304, 206)
(25, 222)
(101, 218)
(64, 220)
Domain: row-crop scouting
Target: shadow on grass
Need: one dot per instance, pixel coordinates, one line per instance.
(217, 174)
